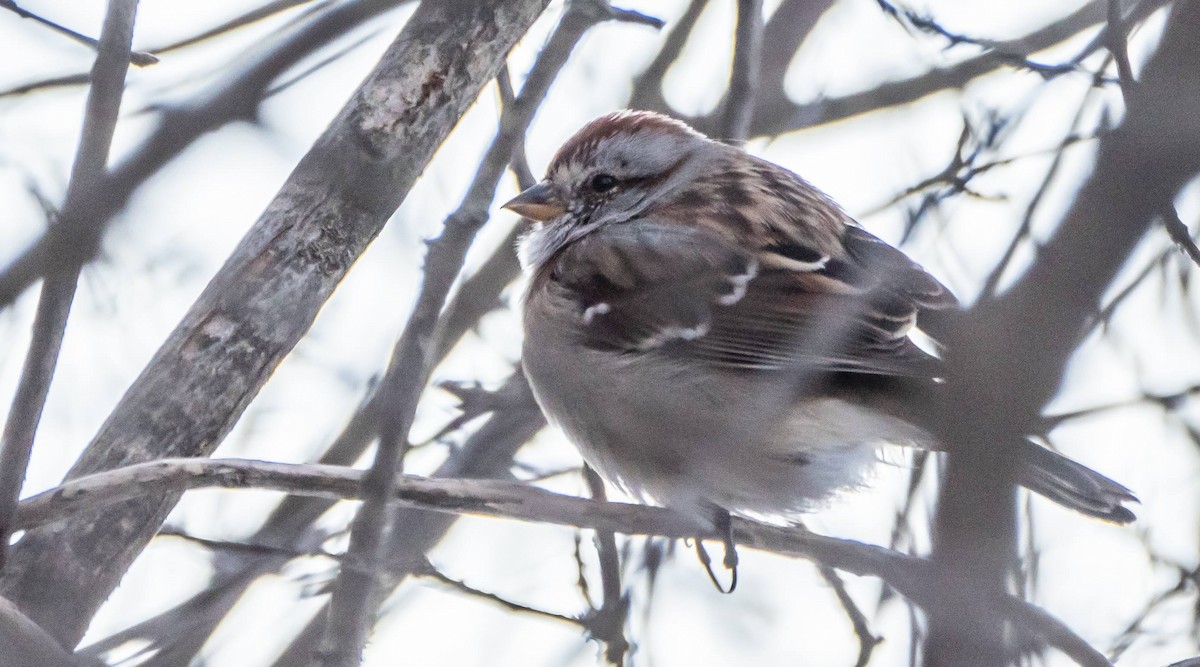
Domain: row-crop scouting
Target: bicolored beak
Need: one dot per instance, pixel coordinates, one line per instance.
(538, 203)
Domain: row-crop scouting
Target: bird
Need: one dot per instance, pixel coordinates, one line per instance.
(718, 336)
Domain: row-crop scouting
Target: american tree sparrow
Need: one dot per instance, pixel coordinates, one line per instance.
(716, 335)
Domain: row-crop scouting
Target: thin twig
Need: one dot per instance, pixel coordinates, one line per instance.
(778, 114)
(46, 84)
(487, 453)
(992, 282)
(519, 162)
(993, 48)
(1180, 234)
(608, 622)
(58, 291)
(867, 641)
(480, 292)
(137, 58)
(249, 18)
(1167, 401)
(1104, 315)
(432, 572)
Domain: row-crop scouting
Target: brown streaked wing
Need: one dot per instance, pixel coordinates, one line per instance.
(689, 294)
(641, 285)
(808, 322)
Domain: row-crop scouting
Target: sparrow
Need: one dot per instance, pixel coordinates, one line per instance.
(718, 336)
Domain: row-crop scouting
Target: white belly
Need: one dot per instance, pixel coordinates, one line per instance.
(692, 440)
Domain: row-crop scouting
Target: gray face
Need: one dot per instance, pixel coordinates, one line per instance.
(614, 169)
(615, 177)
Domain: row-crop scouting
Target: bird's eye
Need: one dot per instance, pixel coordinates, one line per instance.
(603, 182)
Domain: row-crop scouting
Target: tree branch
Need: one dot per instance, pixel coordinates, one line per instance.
(58, 291)
(175, 636)
(137, 58)
(77, 236)
(270, 290)
(747, 62)
(27, 644)
(350, 609)
(608, 622)
(909, 575)
(487, 454)
(1017, 345)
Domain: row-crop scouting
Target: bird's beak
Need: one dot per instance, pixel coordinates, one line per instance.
(538, 203)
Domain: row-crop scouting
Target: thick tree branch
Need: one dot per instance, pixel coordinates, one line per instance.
(25, 643)
(58, 291)
(270, 290)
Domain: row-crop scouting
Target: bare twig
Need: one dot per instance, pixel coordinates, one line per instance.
(45, 84)
(519, 162)
(992, 282)
(1169, 401)
(867, 641)
(250, 17)
(1134, 630)
(137, 58)
(431, 572)
(1179, 234)
(778, 114)
(993, 48)
(253, 16)
(743, 84)
(1104, 315)
(58, 291)
(607, 623)
(480, 292)
(909, 575)
(488, 453)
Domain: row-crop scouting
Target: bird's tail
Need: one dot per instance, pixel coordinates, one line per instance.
(1072, 484)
